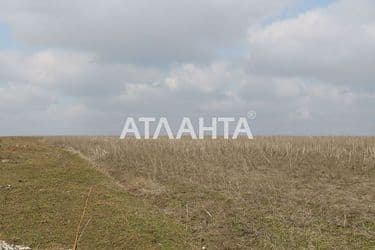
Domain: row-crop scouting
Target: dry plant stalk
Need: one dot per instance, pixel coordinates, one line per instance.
(272, 192)
(78, 235)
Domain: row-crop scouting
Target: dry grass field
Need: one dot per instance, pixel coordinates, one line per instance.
(270, 193)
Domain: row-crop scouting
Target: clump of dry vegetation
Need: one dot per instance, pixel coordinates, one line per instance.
(271, 192)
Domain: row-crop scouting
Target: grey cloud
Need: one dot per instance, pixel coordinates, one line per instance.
(311, 74)
(138, 31)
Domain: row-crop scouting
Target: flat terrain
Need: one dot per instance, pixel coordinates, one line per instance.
(43, 190)
(270, 193)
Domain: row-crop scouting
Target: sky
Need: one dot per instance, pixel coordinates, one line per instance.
(80, 67)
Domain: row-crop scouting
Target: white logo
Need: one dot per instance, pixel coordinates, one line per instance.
(186, 128)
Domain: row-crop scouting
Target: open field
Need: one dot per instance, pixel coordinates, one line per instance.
(273, 192)
(270, 193)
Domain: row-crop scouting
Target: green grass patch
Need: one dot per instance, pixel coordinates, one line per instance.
(42, 194)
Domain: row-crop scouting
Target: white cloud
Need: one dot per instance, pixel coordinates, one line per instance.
(100, 61)
(17, 98)
(334, 44)
(44, 68)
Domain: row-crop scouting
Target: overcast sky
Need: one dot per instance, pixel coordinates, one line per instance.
(306, 67)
